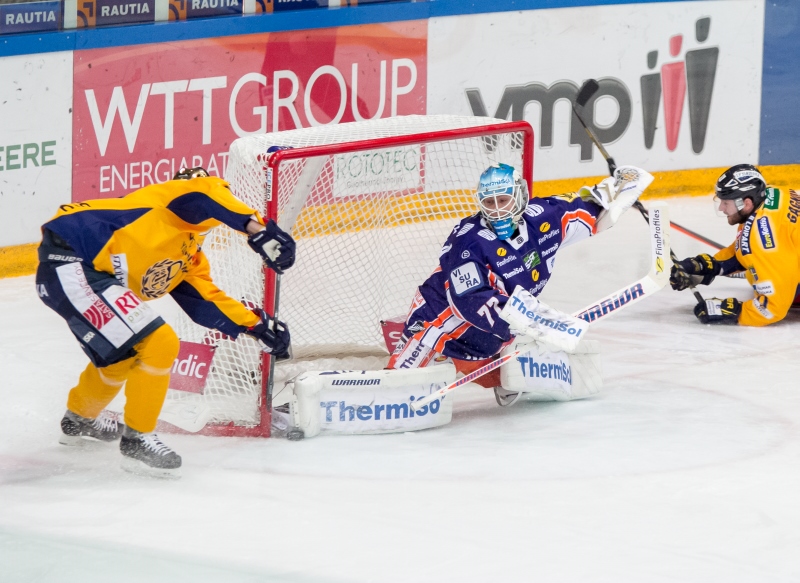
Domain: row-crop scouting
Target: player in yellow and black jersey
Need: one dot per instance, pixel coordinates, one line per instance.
(100, 260)
(767, 249)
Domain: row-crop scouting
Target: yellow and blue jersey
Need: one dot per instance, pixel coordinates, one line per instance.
(151, 241)
(767, 248)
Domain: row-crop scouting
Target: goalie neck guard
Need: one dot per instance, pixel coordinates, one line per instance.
(502, 197)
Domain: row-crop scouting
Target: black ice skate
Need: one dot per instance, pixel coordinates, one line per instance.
(77, 430)
(505, 398)
(145, 453)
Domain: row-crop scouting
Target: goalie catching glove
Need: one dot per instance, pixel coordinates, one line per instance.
(533, 319)
(272, 334)
(275, 246)
(616, 194)
(717, 311)
(694, 270)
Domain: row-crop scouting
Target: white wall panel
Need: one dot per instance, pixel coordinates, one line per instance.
(513, 61)
(36, 142)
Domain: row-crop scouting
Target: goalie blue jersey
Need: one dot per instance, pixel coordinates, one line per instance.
(455, 312)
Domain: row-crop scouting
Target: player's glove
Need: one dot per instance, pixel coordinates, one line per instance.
(272, 334)
(275, 246)
(694, 270)
(717, 311)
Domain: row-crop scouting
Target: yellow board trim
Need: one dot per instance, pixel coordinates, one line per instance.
(18, 260)
(21, 260)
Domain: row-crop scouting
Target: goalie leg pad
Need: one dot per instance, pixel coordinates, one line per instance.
(553, 376)
(367, 401)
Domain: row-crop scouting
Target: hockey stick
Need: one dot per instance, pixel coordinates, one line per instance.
(655, 279)
(588, 89)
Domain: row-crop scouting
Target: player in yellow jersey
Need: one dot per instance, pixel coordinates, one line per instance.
(100, 260)
(767, 249)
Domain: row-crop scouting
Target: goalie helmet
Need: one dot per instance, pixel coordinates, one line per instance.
(496, 183)
(740, 182)
(189, 173)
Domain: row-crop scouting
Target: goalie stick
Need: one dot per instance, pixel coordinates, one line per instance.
(588, 89)
(655, 279)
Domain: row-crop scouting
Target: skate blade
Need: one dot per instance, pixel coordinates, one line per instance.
(140, 468)
(80, 441)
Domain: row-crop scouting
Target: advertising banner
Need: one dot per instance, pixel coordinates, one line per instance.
(679, 88)
(36, 146)
(106, 12)
(30, 17)
(143, 112)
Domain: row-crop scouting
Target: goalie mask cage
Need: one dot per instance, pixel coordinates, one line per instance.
(369, 204)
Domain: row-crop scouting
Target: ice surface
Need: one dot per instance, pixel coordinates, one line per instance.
(685, 468)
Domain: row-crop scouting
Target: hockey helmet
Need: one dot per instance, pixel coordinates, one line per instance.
(740, 182)
(502, 180)
(189, 173)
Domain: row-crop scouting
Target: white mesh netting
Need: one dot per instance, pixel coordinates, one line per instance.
(369, 225)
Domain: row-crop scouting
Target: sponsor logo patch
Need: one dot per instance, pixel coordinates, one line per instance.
(538, 287)
(545, 370)
(773, 200)
(533, 210)
(549, 235)
(744, 242)
(465, 255)
(513, 272)
(760, 303)
(465, 278)
(765, 289)
(507, 260)
(544, 227)
(465, 229)
(531, 260)
(98, 314)
(549, 250)
(535, 275)
(765, 232)
(373, 412)
(120, 265)
(487, 234)
(501, 252)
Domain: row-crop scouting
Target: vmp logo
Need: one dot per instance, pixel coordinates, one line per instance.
(692, 70)
(695, 72)
(516, 98)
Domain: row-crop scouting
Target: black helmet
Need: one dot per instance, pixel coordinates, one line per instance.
(742, 181)
(189, 173)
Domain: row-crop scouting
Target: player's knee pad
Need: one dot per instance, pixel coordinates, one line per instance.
(553, 376)
(367, 401)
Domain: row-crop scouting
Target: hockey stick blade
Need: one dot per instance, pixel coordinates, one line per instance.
(655, 279)
(588, 89)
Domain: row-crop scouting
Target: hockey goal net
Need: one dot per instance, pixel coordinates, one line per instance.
(369, 205)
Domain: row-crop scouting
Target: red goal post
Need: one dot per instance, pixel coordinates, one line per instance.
(369, 204)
